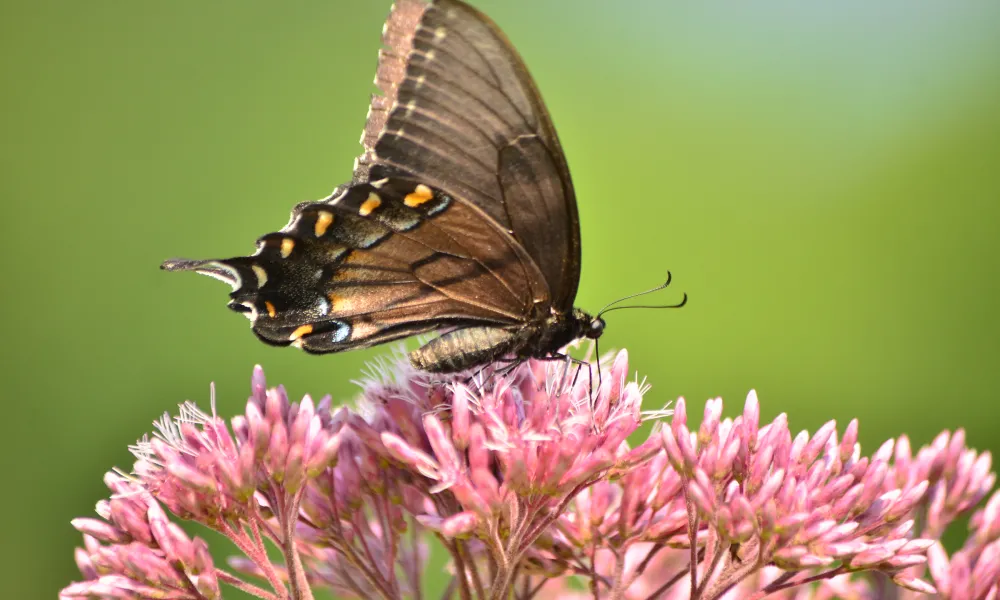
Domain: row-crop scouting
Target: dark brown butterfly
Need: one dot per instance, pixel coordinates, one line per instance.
(461, 214)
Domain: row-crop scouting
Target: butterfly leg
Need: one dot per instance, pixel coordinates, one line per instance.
(572, 360)
(513, 363)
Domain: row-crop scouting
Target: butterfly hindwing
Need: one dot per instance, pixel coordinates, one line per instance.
(460, 112)
(377, 262)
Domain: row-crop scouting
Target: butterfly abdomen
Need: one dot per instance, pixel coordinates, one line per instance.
(463, 349)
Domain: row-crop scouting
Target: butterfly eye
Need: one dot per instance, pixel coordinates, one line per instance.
(596, 328)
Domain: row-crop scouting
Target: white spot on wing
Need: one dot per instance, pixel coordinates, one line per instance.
(233, 280)
(252, 315)
(343, 330)
(293, 222)
(324, 307)
(261, 276)
(338, 197)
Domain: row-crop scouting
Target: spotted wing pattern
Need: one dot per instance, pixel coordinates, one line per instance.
(376, 262)
(460, 112)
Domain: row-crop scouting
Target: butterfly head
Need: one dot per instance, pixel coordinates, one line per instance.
(595, 328)
(586, 325)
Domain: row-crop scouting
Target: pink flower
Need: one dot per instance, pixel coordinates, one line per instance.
(527, 479)
(501, 465)
(974, 570)
(738, 498)
(136, 552)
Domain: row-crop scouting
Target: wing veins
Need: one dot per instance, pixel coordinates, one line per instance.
(498, 85)
(427, 112)
(447, 91)
(401, 133)
(432, 66)
(536, 182)
(469, 256)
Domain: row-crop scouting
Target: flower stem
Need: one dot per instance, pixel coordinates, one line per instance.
(418, 593)
(717, 554)
(257, 553)
(369, 573)
(534, 591)
(668, 584)
(793, 581)
(383, 512)
(296, 574)
(645, 562)
(470, 564)
(461, 577)
(501, 585)
(692, 514)
(595, 584)
(619, 586)
(243, 586)
(449, 591)
(732, 576)
(372, 575)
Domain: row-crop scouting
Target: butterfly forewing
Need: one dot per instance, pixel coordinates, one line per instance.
(378, 262)
(465, 116)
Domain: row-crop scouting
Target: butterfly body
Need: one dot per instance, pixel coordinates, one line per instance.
(463, 349)
(461, 215)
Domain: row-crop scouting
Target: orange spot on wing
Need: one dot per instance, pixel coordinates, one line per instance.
(287, 245)
(301, 331)
(270, 309)
(337, 303)
(419, 196)
(369, 205)
(323, 222)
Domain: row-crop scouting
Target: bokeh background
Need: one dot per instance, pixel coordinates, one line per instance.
(822, 178)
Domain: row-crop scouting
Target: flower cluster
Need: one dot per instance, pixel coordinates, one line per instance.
(526, 478)
(760, 512)
(143, 554)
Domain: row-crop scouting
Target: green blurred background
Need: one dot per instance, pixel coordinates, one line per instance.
(822, 179)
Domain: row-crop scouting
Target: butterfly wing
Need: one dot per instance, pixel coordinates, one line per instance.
(377, 262)
(460, 112)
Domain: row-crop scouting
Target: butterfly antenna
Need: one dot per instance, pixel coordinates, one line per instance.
(678, 305)
(607, 307)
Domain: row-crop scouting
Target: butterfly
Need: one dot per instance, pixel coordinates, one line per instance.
(461, 216)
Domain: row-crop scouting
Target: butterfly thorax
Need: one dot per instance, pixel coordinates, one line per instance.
(465, 348)
(559, 329)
